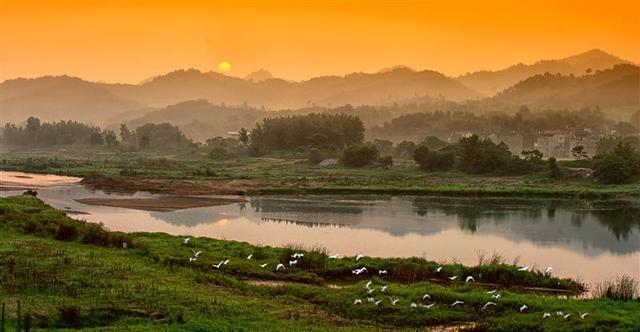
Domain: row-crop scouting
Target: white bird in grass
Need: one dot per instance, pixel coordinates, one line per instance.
(453, 278)
(566, 316)
(546, 315)
(370, 299)
(429, 306)
(426, 296)
(359, 257)
(192, 259)
(394, 302)
(549, 269)
(297, 255)
(582, 316)
(371, 290)
(186, 240)
(439, 269)
(357, 301)
(196, 253)
(382, 272)
(413, 305)
(359, 271)
(293, 262)
(559, 313)
(496, 296)
(264, 265)
(334, 256)
(226, 261)
(470, 278)
(250, 256)
(488, 304)
(384, 288)
(217, 266)
(524, 268)
(280, 266)
(456, 303)
(491, 291)
(377, 302)
(368, 284)
(523, 308)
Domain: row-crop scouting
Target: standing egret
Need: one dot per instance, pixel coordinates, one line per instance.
(439, 269)
(523, 308)
(359, 257)
(249, 257)
(334, 256)
(549, 269)
(293, 262)
(413, 305)
(186, 241)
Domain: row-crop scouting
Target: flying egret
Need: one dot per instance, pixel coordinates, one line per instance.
(368, 284)
(488, 304)
(559, 313)
(370, 290)
(382, 272)
(196, 253)
(453, 278)
(226, 261)
(523, 308)
(280, 266)
(370, 299)
(357, 301)
(192, 259)
(582, 316)
(439, 269)
(456, 303)
(524, 268)
(263, 265)
(217, 266)
(549, 269)
(566, 316)
(334, 256)
(426, 296)
(496, 296)
(491, 291)
(377, 302)
(186, 240)
(293, 262)
(249, 257)
(546, 315)
(384, 288)
(394, 302)
(470, 278)
(359, 257)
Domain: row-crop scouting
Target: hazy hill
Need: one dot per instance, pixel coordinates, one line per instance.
(59, 98)
(259, 76)
(199, 119)
(492, 82)
(617, 88)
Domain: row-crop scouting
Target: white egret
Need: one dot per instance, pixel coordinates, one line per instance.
(280, 266)
(226, 261)
(264, 265)
(413, 305)
(334, 256)
(559, 313)
(488, 304)
(196, 253)
(426, 296)
(491, 291)
(186, 240)
(377, 302)
(582, 316)
(524, 268)
(457, 302)
(371, 290)
(453, 278)
(368, 284)
(394, 302)
(384, 288)
(370, 299)
(217, 266)
(496, 296)
(428, 306)
(439, 269)
(546, 315)
(523, 308)
(470, 278)
(382, 272)
(549, 269)
(249, 257)
(192, 259)
(359, 257)
(293, 262)
(566, 316)
(357, 301)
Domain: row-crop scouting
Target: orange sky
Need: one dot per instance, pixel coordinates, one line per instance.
(128, 41)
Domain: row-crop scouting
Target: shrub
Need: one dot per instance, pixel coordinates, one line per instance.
(386, 162)
(553, 168)
(315, 156)
(618, 166)
(623, 288)
(360, 155)
(433, 160)
(218, 154)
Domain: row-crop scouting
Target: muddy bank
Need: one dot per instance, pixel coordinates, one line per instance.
(162, 203)
(172, 187)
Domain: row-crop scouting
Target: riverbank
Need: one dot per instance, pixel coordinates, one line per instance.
(77, 276)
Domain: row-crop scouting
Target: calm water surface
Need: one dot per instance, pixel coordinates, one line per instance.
(588, 241)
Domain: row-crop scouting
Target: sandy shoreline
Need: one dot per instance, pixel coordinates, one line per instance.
(161, 203)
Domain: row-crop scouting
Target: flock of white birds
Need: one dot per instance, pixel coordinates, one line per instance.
(370, 288)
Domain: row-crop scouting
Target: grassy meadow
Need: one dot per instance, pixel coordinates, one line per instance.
(60, 273)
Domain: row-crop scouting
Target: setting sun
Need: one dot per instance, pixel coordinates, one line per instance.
(224, 66)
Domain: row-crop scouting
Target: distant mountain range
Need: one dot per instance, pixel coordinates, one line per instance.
(587, 79)
(490, 83)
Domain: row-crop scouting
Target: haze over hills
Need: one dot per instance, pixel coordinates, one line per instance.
(493, 82)
(64, 97)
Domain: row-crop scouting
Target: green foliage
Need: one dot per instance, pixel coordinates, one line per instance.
(332, 131)
(554, 170)
(37, 134)
(479, 156)
(359, 155)
(386, 162)
(429, 160)
(532, 155)
(218, 154)
(623, 288)
(160, 135)
(618, 166)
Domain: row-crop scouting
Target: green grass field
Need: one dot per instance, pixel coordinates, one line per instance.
(67, 274)
(292, 173)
